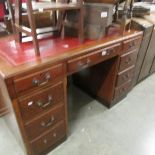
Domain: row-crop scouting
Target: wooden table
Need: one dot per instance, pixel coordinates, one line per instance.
(36, 88)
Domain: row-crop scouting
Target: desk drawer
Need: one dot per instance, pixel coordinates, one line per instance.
(41, 101)
(45, 122)
(122, 90)
(85, 61)
(127, 60)
(39, 78)
(42, 144)
(125, 76)
(132, 44)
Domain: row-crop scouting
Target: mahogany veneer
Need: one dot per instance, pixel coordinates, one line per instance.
(125, 76)
(39, 125)
(110, 81)
(131, 44)
(36, 91)
(127, 60)
(40, 101)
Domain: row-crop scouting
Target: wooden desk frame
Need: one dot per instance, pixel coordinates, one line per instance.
(28, 86)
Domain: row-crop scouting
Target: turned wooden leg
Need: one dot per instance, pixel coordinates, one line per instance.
(81, 26)
(54, 14)
(63, 32)
(61, 23)
(11, 14)
(115, 19)
(33, 27)
(18, 19)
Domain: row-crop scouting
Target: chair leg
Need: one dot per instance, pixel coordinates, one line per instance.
(61, 17)
(18, 19)
(61, 24)
(81, 25)
(11, 13)
(54, 14)
(33, 27)
(63, 31)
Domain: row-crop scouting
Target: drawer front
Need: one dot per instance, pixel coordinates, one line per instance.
(127, 60)
(41, 101)
(40, 78)
(45, 122)
(122, 90)
(79, 63)
(125, 76)
(49, 139)
(131, 44)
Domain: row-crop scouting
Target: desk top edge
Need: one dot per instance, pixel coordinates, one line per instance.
(7, 70)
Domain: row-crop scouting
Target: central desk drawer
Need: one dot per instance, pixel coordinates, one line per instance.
(43, 100)
(45, 122)
(40, 145)
(40, 78)
(127, 60)
(95, 57)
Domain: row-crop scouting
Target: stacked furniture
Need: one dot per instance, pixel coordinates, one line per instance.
(48, 19)
(97, 17)
(144, 57)
(151, 49)
(2, 10)
(2, 14)
(62, 7)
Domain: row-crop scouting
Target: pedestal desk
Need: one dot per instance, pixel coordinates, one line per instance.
(35, 89)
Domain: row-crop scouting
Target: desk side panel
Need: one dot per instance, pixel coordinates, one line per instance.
(9, 117)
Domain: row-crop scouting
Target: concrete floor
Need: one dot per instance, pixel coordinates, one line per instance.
(126, 129)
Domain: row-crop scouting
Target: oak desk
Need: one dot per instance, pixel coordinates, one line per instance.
(36, 88)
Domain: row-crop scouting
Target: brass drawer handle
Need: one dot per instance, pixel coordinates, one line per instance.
(132, 44)
(128, 60)
(54, 135)
(110, 51)
(84, 65)
(123, 90)
(37, 82)
(104, 52)
(45, 141)
(107, 52)
(126, 76)
(44, 105)
(44, 124)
